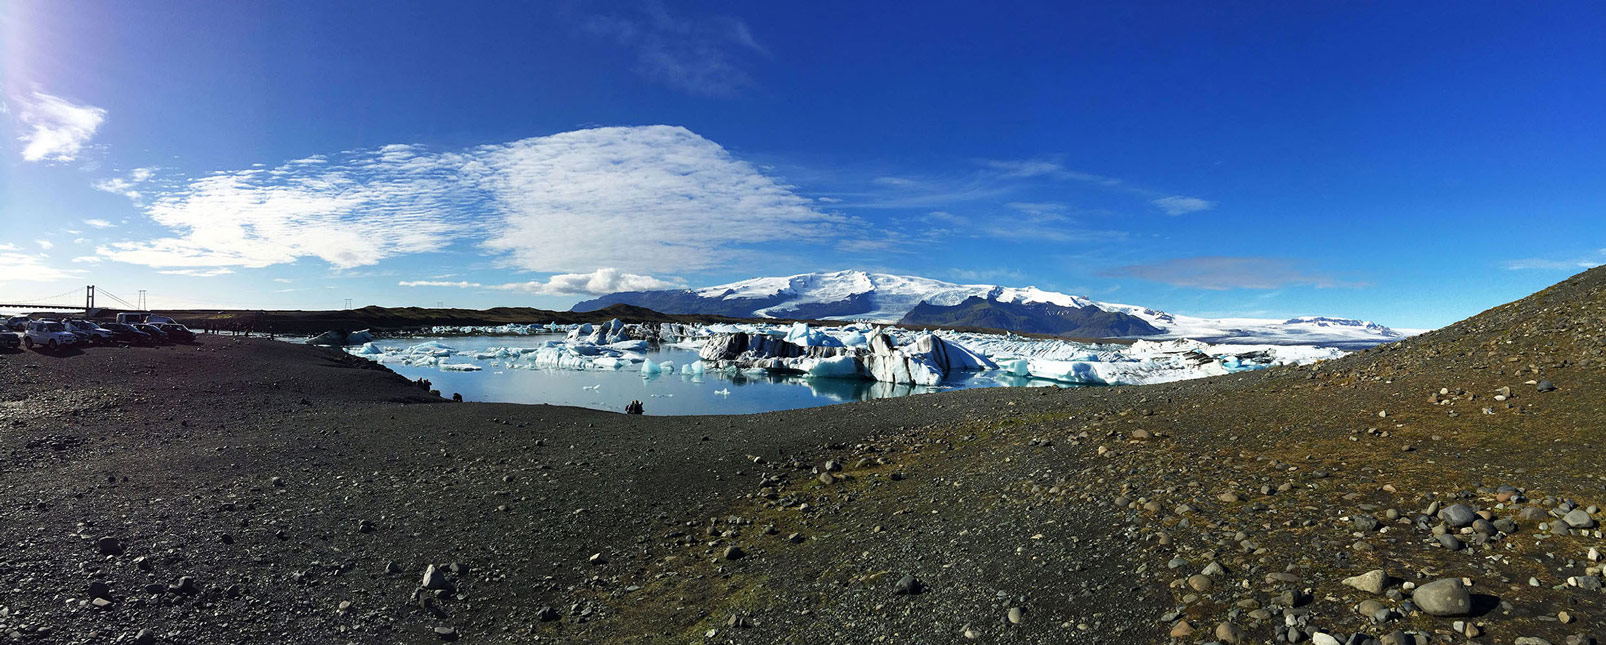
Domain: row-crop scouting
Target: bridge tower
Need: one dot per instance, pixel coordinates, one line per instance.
(89, 300)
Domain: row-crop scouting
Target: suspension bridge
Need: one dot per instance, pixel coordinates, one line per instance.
(52, 302)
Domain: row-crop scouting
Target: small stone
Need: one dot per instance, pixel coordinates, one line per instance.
(109, 546)
(1564, 617)
(1448, 541)
(908, 586)
(546, 614)
(1372, 582)
(145, 637)
(734, 552)
(1458, 515)
(1229, 633)
(1182, 629)
(1579, 519)
(99, 589)
(1443, 597)
(1200, 582)
(446, 633)
(1014, 615)
(365, 526)
(597, 558)
(434, 579)
(1546, 386)
(186, 585)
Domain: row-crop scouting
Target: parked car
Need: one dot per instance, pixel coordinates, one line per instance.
(88, 332)
(157, 335)
(48, 334)
(18, 323)
(122, 333)
(177, 333)
(10, 339)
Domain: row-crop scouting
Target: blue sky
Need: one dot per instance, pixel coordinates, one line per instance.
(1409, 164)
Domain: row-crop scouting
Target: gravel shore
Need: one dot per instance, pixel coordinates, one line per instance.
(1435, 490)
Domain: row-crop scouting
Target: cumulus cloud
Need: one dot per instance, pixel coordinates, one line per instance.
(1179, 205)
(1221, 273)
(649, 199)
(703, 56)
(601, 281)
(54, 128)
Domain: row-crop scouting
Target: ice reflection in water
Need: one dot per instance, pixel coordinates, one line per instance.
(670, 393)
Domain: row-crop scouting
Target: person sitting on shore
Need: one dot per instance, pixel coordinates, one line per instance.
(633, 408)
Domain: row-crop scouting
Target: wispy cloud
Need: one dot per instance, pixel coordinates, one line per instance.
(601, 281)
(54, 128)
(438, 283)
(128, 186)
(1580, 263)
(1052, 168)
(1179, 205)
(1221, 273)
(29, 267)
(98, 223)
(643, 200)
(705, 56)
(45, 244)
(199, 273)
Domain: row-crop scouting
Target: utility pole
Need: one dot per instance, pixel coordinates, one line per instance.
(348, 304)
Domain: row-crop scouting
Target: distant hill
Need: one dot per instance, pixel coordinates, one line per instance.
(1031, 317)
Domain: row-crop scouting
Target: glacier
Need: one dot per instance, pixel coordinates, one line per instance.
(885, 354)
(886, 299)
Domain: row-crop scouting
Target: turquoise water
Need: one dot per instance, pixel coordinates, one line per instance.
(666, 394)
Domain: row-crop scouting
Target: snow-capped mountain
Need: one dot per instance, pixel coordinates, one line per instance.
(880, 297)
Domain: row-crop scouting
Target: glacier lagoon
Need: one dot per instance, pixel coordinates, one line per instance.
(677, 392)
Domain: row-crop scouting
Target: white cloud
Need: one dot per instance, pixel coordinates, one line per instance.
(1588, 261)
(438, 283)
(643, 200)
(1179, 205)
(126, 186)
(27, 267)
(55, 129)
(45, 244)
(378, 204)
(98, 223)
(200, 273)
(646, 200)
(282, 280)
(89, 259)
(601, 281)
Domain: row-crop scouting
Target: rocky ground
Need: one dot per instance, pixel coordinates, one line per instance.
(1442, 489)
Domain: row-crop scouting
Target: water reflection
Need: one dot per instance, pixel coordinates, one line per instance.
(509, 380)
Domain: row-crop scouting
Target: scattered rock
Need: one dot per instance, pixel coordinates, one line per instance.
(1443, 597)
(434, 579)
(1372, 582)
(109, 546)
(908, 586)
